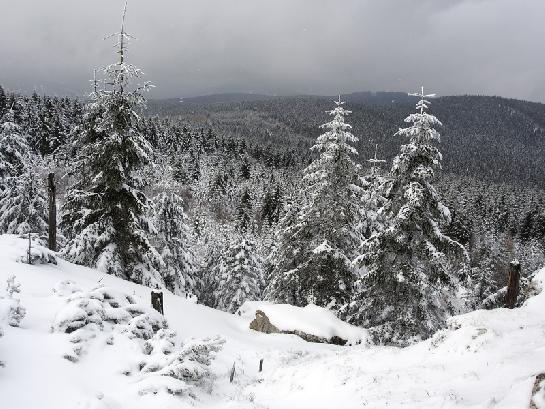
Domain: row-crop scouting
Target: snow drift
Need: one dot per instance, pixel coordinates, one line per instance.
(484, 359)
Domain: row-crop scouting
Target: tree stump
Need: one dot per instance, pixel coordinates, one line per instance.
(157, 301)
(513, 285)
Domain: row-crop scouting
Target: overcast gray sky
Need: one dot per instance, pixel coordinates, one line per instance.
(492, 47)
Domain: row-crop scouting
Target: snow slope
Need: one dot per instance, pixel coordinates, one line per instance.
(487, 359)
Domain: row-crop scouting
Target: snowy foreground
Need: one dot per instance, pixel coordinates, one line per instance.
(487, 359)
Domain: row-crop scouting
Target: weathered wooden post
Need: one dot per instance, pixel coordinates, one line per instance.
(232, 374)
(52, 200)
(29, 251)
(157, 301)
(513, 285)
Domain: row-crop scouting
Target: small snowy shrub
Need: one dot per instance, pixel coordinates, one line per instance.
(15, 311)
(165, 364)
(65, 288)
(102, 309)
(177, 370)
(38, 253)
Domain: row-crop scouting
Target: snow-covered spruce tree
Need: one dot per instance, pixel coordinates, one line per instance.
(241, 276)
(103, 215)
(3, 100)
(13, 148)
(23, 204)
(372, 199)
(210, 255)
(173, 243)
(316, 245)
(409, 289)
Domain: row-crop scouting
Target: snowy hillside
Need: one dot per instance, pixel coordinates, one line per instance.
(487, 359)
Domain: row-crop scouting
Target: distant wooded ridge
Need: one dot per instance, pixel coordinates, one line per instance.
(492, 138)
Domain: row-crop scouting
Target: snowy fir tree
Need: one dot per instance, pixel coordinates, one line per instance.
(241, 277)
(272, 206)
(13, 148)
(3, 100)
(211, 252)
(23, 204)
(103, 214)
(244, 213)
(409, 288)
(372, 198)
(172, 241)
(313, 257)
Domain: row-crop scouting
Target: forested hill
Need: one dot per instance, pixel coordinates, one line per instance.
(491, 138)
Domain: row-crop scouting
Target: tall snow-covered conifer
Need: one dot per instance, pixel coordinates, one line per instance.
(13, 148)
(409, 289)
(241, 278)
(316, 246)
(173, 238)
(23, 205)
(104, 210)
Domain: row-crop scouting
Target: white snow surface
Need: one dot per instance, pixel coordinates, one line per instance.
(311, 319)
(485, 359)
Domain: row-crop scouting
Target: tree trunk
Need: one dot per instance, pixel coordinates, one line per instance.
(513, 286)
(52, 196)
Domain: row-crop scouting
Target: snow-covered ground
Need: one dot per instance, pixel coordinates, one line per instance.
(487, 359)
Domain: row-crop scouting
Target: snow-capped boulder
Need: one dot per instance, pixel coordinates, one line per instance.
(311, 323)
(262, 323)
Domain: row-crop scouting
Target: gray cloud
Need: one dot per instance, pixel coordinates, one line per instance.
(282, 46)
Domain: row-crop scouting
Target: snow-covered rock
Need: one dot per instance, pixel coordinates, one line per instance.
(312, 323)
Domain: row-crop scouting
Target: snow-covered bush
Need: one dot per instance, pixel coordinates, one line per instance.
(88, 312)
(65, 288)
(177, 370)
(11, 306)
(164, 364)
(38, 253)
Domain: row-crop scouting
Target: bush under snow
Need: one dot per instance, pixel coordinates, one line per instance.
(177, 370)
(163, 363)
(101, 310)
(10, 307)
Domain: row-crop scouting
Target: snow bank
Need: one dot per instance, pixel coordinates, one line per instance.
(311, 320)
(485, 359)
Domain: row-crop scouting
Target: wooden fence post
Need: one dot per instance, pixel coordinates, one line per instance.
(513, 285)
(157, 301)
(232, 374)
(52, 222)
